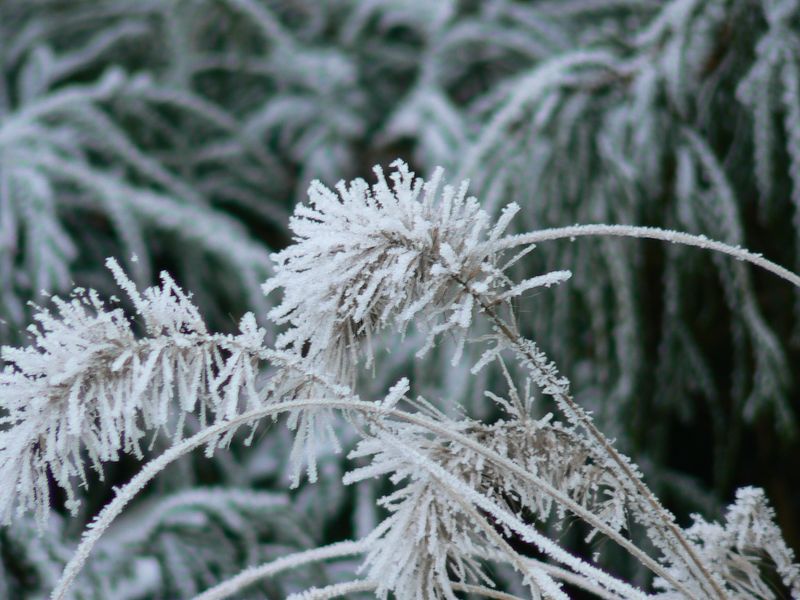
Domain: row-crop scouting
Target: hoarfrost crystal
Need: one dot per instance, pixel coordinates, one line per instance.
(88, 383)
(387, 254)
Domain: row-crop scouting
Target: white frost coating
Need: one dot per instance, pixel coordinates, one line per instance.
(416, 462)
(552, 278)
(653, 233)
(392, 253)
(88, 383)
(335, 590)
(367, 258)
(126, 493)
(737, 546)
(254, 574)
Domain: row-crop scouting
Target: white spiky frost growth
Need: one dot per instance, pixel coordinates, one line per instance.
(365, 259)
(372, 256)
(89, 384)
(744, 544)
(431, 540)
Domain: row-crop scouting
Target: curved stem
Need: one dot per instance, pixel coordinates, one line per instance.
(567, 576)
(653, 233)
(676, 237)
(125, 494)
(533, 572)
(569, 406)
(513, 522)
(337, 589)
(482, 590)
(254, 574)
(574, 579)
(543, 485)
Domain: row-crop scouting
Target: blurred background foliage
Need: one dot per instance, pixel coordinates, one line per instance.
(182, 132)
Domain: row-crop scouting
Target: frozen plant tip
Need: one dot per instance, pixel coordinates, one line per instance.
(388, 254)
(89, 384)
(748, 541)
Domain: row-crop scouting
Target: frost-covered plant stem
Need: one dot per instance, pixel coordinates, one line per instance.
(545, 487)
(574, 412)
(575, 579)
(533, 574)
(535, 577)
(127, 492)
(335, 590)
(380, 256)
(653, 233)
(254, 574)
(513, 522)
(483, 591)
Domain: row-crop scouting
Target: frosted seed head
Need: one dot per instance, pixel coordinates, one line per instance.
(369, 257)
